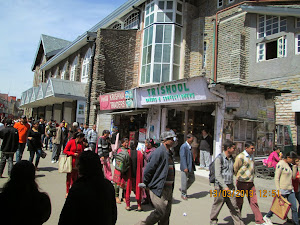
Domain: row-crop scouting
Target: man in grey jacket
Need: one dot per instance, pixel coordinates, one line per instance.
(224, 187)
(187, 166)
(92, 137)
(159, 176)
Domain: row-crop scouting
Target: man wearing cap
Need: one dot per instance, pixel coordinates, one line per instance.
(10, 138)
(187, 166)
(159, 176)
(23, 128)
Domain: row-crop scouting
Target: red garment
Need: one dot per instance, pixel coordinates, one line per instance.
(71, 148)
(23, 131)
(71, 178)
(119, 178)
(296, 182)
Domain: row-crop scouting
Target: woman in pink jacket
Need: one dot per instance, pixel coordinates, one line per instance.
(274, 157)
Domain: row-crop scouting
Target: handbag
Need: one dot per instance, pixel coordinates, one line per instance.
(280, 207)
(65, 164)
(43, 154)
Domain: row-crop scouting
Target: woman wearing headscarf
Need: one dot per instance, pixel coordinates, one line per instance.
(73, 148)
(21, 202)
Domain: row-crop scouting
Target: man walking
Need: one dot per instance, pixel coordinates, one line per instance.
(159, 176)
(41, 129)
(224, 182)
(187, 166)
(23, 128)
(10, 143)
(244, 172)
(86, 129)
(57, 141)
(206, 150)
(92, 137)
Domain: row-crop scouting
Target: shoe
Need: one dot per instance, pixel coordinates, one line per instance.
(53, 161)
(139, 209)
(184, 197)
(213, 223)
(267, 220)
(118, 200)
(128, 208)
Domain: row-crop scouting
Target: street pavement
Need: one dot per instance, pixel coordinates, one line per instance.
(195, 210)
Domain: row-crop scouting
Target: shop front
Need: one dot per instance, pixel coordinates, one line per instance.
(118, 110)
(186, 106)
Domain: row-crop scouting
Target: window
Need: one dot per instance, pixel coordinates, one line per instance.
(162, 42)
(132, 21)
(220, 3)
(272, 49)
(85, 66)
(73, 67)
(117, 26)
(297, 43)
(55, 73)
(63, 72)
(297, 22)
(268, 25)
(204, 53)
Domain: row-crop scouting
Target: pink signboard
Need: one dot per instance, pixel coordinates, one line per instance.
(116, 100)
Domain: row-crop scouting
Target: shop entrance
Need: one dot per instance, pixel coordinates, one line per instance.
(191, 120)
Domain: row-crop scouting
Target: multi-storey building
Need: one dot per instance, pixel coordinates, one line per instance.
(187, 64)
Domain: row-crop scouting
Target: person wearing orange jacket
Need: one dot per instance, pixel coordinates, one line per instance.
(73, 148)
(23, 127)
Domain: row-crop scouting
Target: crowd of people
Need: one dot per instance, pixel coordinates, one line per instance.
(149, 174)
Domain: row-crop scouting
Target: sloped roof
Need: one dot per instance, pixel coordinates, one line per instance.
(49, 46)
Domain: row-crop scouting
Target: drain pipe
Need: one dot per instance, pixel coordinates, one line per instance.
(88, 104)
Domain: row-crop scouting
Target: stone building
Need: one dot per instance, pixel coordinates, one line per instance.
(186, 64)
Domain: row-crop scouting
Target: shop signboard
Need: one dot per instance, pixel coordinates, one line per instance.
(117, 100)
(191, 90)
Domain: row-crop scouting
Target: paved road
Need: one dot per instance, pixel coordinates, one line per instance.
(197, 208)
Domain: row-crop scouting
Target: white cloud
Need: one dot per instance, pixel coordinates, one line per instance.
(23, 21)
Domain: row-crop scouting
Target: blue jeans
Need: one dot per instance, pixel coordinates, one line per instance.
(48, 140)
(292, 199)
(20, 151)
(37, 158)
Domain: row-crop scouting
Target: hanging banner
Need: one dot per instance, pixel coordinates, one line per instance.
(117, 100)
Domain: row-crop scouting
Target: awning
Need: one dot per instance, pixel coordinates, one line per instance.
(55, 91)
(271, 10)
(296, 106)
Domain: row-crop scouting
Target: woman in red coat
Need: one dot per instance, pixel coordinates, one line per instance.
(73, 148)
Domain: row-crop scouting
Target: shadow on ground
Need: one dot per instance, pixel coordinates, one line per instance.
(48, 169)
(198, 195)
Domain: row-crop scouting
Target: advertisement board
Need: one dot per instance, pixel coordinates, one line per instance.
(117, 100)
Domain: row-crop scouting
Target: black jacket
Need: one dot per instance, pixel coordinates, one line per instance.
(90, 201)
(10, 138)
(156, 171)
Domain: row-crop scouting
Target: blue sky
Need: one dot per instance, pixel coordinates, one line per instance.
(23, 21)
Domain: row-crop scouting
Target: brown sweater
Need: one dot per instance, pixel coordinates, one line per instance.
(284, 175)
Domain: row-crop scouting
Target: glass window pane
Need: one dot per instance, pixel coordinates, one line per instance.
(169, 17)
(144, 55)
(160, 17)
(165, 73)
(168, 34)
(177, 35)
(157, 73)
(161, 5)
(149, 54)
(146, 37)
(167, 53)
(179, 7)
(143, 74)
(147, 21)
(151, 18)
(175, 72)
(169, 4)
(179, 19)
(158, 53)
(159, 33)
(152, 7)
(147, 10)
(176, 55)
(150, 35)
(148, 74)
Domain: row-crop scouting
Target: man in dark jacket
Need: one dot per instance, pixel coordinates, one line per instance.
(187, 166)
(159, 176)
(9, 146)
(206, 150)
(91, 199)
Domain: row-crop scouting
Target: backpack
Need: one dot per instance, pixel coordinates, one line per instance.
(122, 161)
(212, 175)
